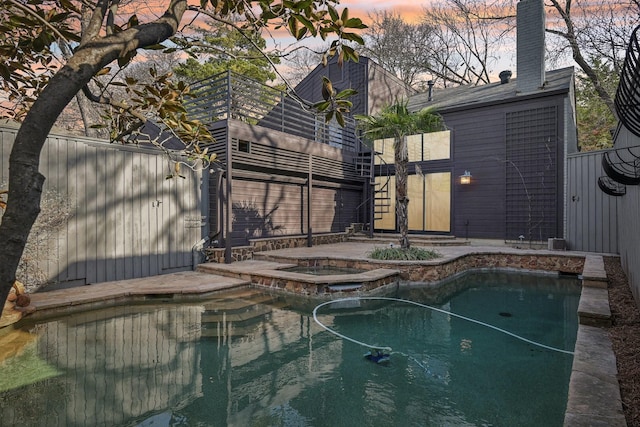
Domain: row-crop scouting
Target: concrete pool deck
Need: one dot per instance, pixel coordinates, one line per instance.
(594, 395)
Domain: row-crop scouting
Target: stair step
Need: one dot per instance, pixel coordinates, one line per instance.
(237, 303)
(347, 287)
(256, 311)
(416, 240)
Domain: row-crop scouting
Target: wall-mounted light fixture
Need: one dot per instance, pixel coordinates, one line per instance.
(465, 178)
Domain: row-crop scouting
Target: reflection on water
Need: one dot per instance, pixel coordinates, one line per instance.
(248, 358)
(111, 366)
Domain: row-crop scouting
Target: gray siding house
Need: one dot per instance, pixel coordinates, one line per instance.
(282, 170)
(512, 138)
(514, 145)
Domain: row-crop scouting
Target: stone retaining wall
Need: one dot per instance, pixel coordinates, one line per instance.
(302, 287)
(244, 253)
(416, 271)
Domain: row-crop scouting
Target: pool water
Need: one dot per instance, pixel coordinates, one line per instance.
(251, 358)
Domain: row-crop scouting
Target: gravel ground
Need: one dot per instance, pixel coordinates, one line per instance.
(625, 337)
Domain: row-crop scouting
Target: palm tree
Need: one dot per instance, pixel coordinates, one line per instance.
(397, 122)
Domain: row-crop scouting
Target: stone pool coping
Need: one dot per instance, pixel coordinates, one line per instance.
(594, 395)
(186, 284)
(594, 392)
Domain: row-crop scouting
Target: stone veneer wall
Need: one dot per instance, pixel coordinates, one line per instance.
(304, 288)
(416, 271)
(243, 253)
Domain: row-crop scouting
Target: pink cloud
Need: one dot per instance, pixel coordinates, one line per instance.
(411, 11)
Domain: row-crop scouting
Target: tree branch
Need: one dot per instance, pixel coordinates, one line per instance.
(92, 29)
(44, 22)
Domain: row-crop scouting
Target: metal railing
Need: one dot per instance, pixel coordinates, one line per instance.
(231, 96)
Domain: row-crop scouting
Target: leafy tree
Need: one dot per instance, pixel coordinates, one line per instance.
(397, 122)
(221, 48)
(39, 83)
(595, 119)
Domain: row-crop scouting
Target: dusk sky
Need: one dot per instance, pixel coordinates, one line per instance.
(410, 10)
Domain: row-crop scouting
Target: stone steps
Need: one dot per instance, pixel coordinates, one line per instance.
(593, 309)
(415, 240)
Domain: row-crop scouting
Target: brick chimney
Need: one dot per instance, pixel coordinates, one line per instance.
(530, 45)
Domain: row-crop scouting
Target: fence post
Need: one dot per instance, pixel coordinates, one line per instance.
(229, 94)
(310, 202)
(282, 100)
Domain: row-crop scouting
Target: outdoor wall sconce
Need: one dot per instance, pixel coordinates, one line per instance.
(465, 178)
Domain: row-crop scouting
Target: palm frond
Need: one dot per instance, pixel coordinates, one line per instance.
(396, 121)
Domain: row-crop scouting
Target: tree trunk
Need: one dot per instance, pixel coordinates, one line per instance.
(25, 180)
(402, 201)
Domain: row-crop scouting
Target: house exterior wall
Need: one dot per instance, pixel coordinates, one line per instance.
(486, 207)
(264, 207)
(127, 220)
(515, 152)
(273, 173)
(478, 146)
(383, 88)
(376, 87)
(350, 75)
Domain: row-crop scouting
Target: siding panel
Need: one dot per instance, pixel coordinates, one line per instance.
(265, 208)
(114, 232)
(479, 146)
(591, 214)
(629, 226)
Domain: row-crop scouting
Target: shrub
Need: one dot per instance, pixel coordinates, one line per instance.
(399, 254)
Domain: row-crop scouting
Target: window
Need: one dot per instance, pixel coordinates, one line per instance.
(384, 151)
(420, 147)
(429, 193)
(429, 206)
(436, 145)
(244, 146)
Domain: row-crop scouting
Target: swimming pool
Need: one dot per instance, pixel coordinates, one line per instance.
(249, 358)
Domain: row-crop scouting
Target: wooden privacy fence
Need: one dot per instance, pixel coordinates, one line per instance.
(592, 223)
(126, 220)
